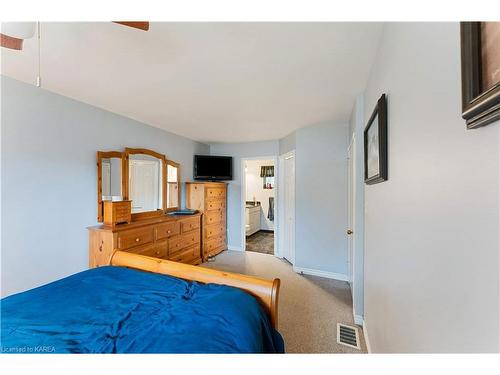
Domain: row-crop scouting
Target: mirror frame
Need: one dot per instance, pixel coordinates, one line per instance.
(106, 155)
(144, 151)
(178, 166)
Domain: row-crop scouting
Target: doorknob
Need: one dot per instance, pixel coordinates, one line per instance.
(349, 231)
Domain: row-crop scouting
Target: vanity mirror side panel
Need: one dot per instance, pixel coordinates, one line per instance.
(110, 181)
(173, 186)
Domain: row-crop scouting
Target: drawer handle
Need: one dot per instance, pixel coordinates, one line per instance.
(169, 231)
(137, 239)
(100, 246)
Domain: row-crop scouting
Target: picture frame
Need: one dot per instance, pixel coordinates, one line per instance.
(480, 64)
(375, 144)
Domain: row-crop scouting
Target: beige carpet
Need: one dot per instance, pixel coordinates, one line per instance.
(309, 307)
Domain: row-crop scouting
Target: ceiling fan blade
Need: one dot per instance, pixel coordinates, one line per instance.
(11, 42)
(137, 25)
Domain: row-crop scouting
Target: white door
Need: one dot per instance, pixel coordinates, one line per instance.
(350, 210)
(144, 189)
(288, 251)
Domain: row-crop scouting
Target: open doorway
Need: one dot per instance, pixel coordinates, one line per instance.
(259, 198)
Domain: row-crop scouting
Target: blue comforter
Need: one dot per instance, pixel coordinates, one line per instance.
(120, 310)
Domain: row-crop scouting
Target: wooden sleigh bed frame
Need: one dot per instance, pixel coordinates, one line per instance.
(265, 291)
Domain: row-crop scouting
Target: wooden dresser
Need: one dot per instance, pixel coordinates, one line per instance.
(176, 238)
(210, 199)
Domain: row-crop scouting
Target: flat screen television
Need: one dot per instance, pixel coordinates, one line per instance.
(213, 168)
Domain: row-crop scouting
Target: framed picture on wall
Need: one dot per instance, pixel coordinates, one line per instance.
(480, 50)
(375, 144)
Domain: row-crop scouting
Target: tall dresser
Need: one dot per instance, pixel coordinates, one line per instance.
(210, 199)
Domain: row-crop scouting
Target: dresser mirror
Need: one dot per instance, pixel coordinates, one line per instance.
(173, 188)
(145, 177)
(109, 179)
(146, 181)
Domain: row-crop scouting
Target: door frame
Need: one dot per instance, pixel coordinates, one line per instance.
(243, 193)
(351, 211)
(281, 205)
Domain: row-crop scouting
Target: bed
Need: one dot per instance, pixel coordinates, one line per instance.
(141, 304)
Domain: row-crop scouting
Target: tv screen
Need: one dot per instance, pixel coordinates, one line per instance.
(209, 167)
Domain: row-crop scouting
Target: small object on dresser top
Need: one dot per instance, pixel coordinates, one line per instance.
(183, 212)
(117, 212)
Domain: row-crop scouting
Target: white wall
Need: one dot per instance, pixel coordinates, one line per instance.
(432, 242)
(239, 151)
(356, 128)
(321, 198)
(48, 162)
(255, 188)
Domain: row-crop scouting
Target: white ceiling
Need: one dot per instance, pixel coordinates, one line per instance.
(212, 82)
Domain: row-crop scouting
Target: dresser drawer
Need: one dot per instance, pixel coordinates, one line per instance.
(135, 237)
(215, 230)
(189, 225)
(177, 243)
(167, 230)
(214, 217)
(215, 192)
(215, 244)
(122, 212)
(156, 250)
(215, 204)
(161, 249)
(187, 255)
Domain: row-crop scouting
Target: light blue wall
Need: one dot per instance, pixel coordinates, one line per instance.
(287, 144)
(240, 151)
(321, 198)
(432, 229)
(48, 165)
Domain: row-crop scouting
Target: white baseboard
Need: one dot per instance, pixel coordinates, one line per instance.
(328, 275)
(234, 248)
(358, 319)
(367, 340)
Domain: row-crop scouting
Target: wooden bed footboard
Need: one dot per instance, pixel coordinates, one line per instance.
(265, 291)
